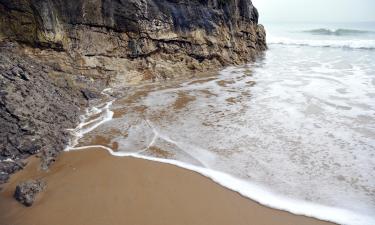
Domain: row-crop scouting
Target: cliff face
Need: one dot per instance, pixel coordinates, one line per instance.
(54, 54)
(133, 40)
(36, 108)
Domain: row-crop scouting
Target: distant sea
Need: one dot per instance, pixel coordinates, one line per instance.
(360, 35)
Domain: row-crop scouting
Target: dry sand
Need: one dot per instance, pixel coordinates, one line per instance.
(92, 187)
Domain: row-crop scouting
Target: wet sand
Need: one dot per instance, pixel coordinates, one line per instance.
(92, 187)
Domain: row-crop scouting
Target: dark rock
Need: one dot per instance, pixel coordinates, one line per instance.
(8, 167)
(11, 166)
(9, 76)
(35, 109)
(48, 156)
(17, 71)
(4, 177)
(166, 37)
(89, 94)
(27, 191)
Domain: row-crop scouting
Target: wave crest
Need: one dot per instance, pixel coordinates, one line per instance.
(338, 32)
(351, 44)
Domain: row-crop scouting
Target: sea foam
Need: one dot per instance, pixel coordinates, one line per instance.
(349, 44)
(86, 125)
(337, 32)
(326, 159)
(247, 189)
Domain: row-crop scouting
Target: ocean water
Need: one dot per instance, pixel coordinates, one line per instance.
(333, 35)
(294, 130)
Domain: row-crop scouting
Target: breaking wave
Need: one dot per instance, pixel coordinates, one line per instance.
(338, 32)
(350, 44)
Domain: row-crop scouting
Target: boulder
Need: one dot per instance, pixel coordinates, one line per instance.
(27, 191)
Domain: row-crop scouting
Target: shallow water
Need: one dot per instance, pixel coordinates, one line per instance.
(298, 123)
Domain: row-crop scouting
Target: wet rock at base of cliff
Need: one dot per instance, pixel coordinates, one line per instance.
(37, 106)
(9, 167)
(48, 156)
(27, 191)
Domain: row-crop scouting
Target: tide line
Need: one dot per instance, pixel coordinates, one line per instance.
(258, 193)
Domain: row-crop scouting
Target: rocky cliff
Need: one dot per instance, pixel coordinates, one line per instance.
(37, 105)
(106, 42)
(134, 40)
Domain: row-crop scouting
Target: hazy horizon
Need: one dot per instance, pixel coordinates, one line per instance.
(315, 10)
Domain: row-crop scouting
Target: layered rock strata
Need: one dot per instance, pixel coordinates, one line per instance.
(134, 40)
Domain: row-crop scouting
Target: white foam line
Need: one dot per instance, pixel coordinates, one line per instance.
(8, 160)
(167, 139)
(154, 138)
(352, 44)
(155, 135)
(79, 131)
(258, 193)
(91, 121)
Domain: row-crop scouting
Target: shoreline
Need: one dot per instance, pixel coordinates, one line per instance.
(250, 192)
(94, 187)
(100, 113)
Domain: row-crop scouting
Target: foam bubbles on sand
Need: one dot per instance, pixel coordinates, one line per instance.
(93, 118)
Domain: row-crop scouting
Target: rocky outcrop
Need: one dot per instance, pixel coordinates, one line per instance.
(37, 104)
(134, 40)
(27, 191)
(56, 54)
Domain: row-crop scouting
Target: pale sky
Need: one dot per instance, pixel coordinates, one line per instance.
(315, 10)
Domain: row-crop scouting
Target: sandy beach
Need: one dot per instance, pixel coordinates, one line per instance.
(93, 187)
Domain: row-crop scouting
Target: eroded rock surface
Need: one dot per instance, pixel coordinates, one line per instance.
(133, 40)
(37, 105)
(27, 191)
